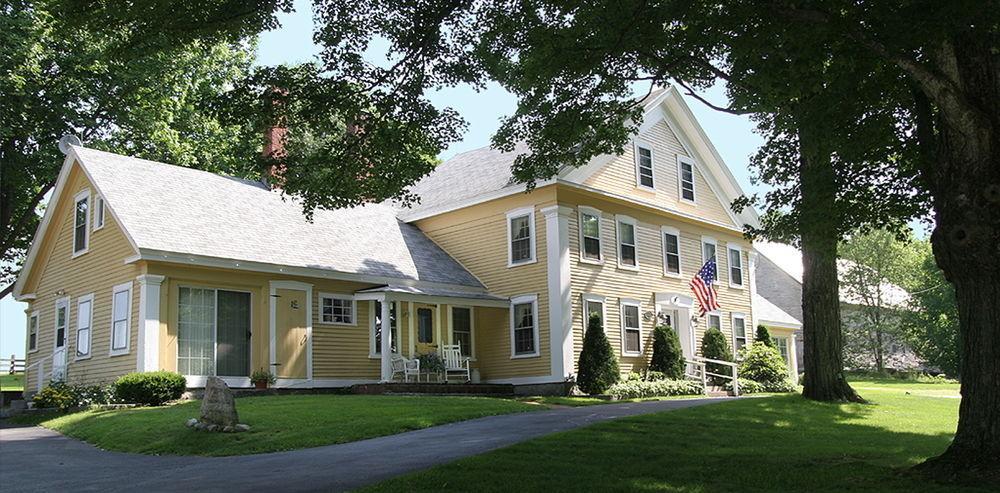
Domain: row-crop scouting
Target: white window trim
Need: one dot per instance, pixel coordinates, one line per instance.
(621, 306)
(60, 303)
(715, 313)
(730, 247)
(90, 342)
(125, 287)
(746, 329)
(652, 164)
(339, 296)
(680, 179)
(594, 298)
(600, 234)
(472, 328)
(372, 313)
(718, 262)
(619, 218)
(81, 195)
(520, 300)
(680, 259)
(523, 211)
(38, 328)
(99, 213)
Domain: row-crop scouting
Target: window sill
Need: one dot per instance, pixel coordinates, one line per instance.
(646, 190)
(81, 252)
(337, 324)
(120, 352)
(633, 268)
(591, 261)
(737, 286)
(524, 356)
(631, 355)
(32, 351)
(671, 275)
(523, 262)
(81, 358)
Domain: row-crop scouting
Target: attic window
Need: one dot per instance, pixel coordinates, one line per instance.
(81, 222)
(98, 213)
(685, 173)
(644, 166)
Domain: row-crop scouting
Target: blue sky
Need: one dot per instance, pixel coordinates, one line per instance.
(292, 43)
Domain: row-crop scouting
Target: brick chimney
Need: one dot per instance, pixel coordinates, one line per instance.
(274, 147)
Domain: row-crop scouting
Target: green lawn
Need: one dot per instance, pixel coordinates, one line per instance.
(777, 443)
(12, 382)
(277, 422)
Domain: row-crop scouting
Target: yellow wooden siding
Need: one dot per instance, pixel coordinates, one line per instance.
(619, 177)
(614, 284)
(476, 236)
(57, 274)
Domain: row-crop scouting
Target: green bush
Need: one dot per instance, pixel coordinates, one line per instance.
(598, 364)
(150, 388)
(668, 358)
(762, 363)
(661, 388)
(763, 335)
(65, 396)
(714, 346)
(748, 386)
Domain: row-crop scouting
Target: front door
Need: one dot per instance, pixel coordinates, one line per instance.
(291, 333)
(62, 322)
(426, 326)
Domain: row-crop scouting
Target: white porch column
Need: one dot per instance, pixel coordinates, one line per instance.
(560, 304)
(386, 329)
(148, 354)
(793, 358)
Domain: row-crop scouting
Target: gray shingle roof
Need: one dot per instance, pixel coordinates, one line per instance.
(186, 211)
(464, 176)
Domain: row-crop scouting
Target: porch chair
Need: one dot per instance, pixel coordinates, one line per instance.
(455, 363)
(405, 366)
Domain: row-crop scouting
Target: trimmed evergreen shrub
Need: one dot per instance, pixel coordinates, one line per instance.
(151, 388)
(638, 389)
(762, 363)
(598, 364)
(668, 358)
(714, 346)
(763, 335)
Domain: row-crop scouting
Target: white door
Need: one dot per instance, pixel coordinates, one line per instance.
(59, 352)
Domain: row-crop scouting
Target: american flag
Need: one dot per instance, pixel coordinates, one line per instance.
(703, 285)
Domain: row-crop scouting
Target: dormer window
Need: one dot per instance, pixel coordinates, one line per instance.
(81, 222)
(685, 174)
(644, 166)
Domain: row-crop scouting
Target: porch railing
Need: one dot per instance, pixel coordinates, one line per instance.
(12, 364)
(56, 369)
(697, 369)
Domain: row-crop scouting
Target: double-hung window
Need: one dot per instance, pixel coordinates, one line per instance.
(709, 250)
(520, 236)
(213, 332)
(98, 213)
(337, 309)
(714, 321)
(735, 266)
(627, 243)
(121, 310)
(739, 331)
(84, 321)
(377, 328)
(461, 329)
(81, 222)
(593, 306)
(524, 326)
(33, 332)
(631, 328)
(671, 251)
(644, 166)
(685, 175)
(782, 344)
(590, 235)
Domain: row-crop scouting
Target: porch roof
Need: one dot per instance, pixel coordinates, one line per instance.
(433, 295)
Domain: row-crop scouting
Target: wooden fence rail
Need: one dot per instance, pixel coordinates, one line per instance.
(12, 365)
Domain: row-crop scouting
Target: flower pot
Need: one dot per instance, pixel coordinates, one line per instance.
(260, 385)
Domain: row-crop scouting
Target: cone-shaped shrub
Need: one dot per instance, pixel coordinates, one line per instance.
(668, 358)
(763, 364)
(714, 346)
(763, 336)
(598, 364)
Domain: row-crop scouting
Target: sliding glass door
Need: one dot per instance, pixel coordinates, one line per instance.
(213, 332)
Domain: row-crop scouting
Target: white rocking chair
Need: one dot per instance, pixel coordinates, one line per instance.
(454, 363)
(405, 366)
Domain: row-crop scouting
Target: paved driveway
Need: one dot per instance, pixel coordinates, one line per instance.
(36, 459)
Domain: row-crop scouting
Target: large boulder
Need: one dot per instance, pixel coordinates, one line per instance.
(218, 407)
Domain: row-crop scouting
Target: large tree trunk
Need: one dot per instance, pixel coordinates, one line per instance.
(965, 181)
(818, 225)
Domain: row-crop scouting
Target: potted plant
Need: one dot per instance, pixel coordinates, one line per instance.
(261, 378)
